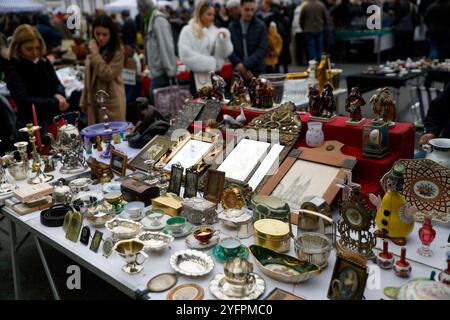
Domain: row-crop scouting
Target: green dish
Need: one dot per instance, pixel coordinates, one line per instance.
(188, 227)
(282, 267)
(220, 255)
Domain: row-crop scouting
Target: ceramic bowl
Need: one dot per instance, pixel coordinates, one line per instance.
(123, 229)
(282, 267)
(191, 263)
(134, 208)
(85, 202)
(155, 241)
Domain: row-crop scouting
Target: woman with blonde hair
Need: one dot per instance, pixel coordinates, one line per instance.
(103, 71)
(202, 46)
(32, 80)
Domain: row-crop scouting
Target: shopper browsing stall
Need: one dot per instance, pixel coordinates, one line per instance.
(103, 71)
(202, 46)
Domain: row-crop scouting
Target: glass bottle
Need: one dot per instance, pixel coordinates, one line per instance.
(426, 235)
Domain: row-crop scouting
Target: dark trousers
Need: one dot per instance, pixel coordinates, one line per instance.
(314, 45)
(404, 44)
(300, 54)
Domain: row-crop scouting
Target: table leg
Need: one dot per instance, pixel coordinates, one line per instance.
(46, 268)
(14, 260)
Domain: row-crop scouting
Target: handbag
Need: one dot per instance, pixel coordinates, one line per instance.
(172, 98)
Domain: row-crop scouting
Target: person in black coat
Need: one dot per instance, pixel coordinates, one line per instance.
(437, 121)
(51, 36)
(249, 38)
(32, 80)
(438, 29)
(129, 29)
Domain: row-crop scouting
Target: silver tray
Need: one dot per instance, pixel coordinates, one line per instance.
(223, 290)
(191, 263)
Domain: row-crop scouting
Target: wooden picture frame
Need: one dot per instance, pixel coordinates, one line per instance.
(326, 162)
(191, 184)
(154, 150)
(280, 294)
(215, 181)
(176, 178)
(349, 278)
(118, 162)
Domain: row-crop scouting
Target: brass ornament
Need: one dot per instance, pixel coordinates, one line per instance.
(232, 198)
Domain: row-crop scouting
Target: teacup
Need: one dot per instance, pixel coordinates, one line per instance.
(230, 246)
(176, 224)
(204, 234)
(155, 217)
(113, 197)
(238, 271)
(134, 208)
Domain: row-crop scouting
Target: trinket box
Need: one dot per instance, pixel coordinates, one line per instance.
(169, 203)
(237, 220)
(265, 207)
(273, 234)
(134, 190)
(32, 192)
(199, 211)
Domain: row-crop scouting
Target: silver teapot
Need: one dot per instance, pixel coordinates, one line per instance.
(17, 168)
(67, 136)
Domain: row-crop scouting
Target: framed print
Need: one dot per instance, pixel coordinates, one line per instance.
(107, 248)
(153, 150)
(190, 154)
(74, 223)
(349, 278)
(176, 177)
(191, 185)
(95, 244)
(85, 235)
(214, 185)
(280, 294)
(309, 172)
(118, 163)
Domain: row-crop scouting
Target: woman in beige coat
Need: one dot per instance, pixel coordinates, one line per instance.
(103, 71)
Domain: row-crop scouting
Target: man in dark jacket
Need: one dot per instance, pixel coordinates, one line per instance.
(437, 121)
(313, 20)
(438, 29)
(129, 29)
(249, 38)
(51, 36)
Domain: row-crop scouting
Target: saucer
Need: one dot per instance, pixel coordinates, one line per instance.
(193, 243)
(224, 290)
(147, 223)
(221, 257)
(187, 230)
(111, 187)
(125, 215)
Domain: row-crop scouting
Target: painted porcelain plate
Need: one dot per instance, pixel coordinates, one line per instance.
(427, 186)
(224, 290)
(188, 291)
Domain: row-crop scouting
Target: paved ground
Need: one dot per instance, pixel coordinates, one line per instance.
(34, 281)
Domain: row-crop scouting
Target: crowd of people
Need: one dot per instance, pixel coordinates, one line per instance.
(255, 37)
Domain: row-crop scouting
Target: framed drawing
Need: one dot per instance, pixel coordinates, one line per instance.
(153, 150)
(176, 178)
(189, 152)
(118, 162)
(214, 185)
(191, 185)
(349, 278)
(85, 235)
(309, 172)
(280, 294)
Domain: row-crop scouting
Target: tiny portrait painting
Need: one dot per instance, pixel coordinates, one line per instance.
(95, 244)
(118, 162)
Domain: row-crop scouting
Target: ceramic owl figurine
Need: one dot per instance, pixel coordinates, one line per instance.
(395, 217)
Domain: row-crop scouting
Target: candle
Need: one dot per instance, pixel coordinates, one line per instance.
(35, 122)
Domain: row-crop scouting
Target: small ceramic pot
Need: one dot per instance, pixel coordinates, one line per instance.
(385, 259)
(314, 136)
(402, 270)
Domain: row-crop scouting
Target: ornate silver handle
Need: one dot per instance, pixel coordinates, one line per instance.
(320, 215)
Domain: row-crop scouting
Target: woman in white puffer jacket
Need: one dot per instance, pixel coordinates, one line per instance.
(202, 46)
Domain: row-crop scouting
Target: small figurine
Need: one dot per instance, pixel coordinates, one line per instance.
(383, 106)
(98, 140)
(353, 105)
(49, 165)
(252, 90)
(235, 123)
(218, 86)
(88, 145)
(402, 268)
(116, 138)
(395, 217)
(314, 101)
(108, 147)
(264, 94)
(328, 101)
(321, 71)
(385, 259)
(237, 91)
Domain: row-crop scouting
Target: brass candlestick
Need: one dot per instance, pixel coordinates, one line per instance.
(102, 98)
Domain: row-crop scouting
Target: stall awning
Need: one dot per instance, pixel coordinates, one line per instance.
(7, 6)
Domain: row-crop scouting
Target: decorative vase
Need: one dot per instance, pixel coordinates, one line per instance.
(314, 135)
(426, 235)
